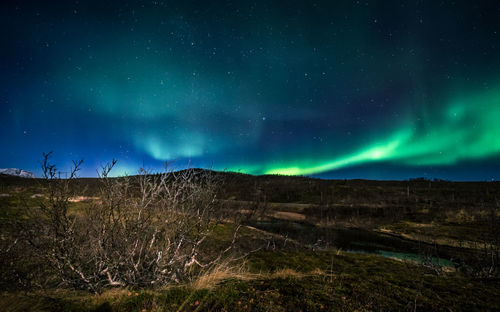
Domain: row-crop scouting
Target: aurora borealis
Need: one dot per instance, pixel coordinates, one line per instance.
(336, 89)
(466, 129)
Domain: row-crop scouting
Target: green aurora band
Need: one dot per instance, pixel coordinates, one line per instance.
(468, 128)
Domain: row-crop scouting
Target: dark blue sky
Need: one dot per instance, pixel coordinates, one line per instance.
(337, 89)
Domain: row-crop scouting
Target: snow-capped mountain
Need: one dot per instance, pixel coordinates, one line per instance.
(17, 172)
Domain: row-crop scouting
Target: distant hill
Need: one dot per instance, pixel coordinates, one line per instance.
(306, 190)
(17, 172)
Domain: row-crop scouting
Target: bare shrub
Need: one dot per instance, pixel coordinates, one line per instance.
(144, 230)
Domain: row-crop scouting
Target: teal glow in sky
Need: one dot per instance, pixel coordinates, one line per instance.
(344, 89)
(468, 128)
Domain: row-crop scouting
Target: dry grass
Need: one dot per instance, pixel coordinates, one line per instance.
(287, 273)
(226, 271)
(317, 271)
(222, 272)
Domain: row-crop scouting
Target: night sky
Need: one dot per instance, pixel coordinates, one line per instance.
(352, 89)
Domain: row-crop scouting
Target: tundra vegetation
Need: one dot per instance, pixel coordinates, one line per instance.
(196, 240)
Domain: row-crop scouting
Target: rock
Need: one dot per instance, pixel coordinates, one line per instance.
(17, 172)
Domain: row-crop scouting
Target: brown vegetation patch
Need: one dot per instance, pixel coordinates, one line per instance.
(77, 199)
(291, 216)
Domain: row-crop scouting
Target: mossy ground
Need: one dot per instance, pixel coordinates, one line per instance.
(314, 281)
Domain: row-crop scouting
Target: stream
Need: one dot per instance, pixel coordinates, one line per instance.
(358, 240)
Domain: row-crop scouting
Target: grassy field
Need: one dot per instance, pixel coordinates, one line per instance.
(288, 281)
(318, 246)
